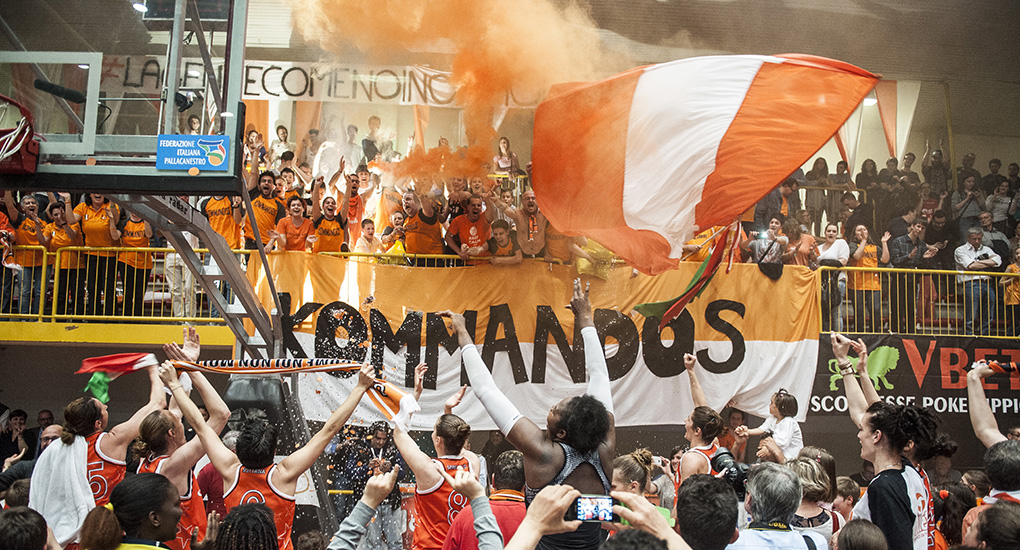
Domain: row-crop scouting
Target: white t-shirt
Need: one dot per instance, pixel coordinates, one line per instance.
(786, 434)
(839, 251)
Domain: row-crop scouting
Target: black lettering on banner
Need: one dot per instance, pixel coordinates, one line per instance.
(364, 82)
(265, 87)
(663, 361)
(283, 81)
(723, 326)
(247, 77)
(334, 316)
(548, 325)
(612, 323)
(436, 335)
(499, 315)
(290, 322)
(335, 88)
(415, 83)
(379, 79)
(430, 84)
(409, 335)
(151, 68)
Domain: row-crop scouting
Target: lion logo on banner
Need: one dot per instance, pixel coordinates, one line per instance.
(881, 362)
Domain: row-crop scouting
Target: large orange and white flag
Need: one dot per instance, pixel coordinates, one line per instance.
(642, 161)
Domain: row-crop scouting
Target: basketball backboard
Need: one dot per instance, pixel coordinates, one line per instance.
(135, 114)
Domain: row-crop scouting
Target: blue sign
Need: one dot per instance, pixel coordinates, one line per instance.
(183, 152)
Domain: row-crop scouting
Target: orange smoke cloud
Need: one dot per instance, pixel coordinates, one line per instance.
(527, 45)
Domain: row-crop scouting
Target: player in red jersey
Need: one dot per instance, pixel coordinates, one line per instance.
(251, 475)
(162, 448)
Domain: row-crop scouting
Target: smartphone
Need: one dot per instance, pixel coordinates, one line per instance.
(592, 508)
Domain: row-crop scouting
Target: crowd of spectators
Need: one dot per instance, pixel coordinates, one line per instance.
(331, 195)
(907, 495)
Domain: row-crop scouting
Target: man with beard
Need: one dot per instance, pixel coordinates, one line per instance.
(530, 222)
(372, 455)
(269, 209)
(422, 231)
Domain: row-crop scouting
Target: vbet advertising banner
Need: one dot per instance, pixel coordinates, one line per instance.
(184, 152)
(929, 371)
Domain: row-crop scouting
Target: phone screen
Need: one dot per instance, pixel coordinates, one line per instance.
(594, 508)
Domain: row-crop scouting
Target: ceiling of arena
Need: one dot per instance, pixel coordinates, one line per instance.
(972, 45)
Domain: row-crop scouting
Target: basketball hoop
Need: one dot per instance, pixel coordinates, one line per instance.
(19, 152)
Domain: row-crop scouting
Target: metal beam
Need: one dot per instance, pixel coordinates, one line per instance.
(203, 47)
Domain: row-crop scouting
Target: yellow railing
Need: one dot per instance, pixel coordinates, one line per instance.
(92, 284)
(917, 302)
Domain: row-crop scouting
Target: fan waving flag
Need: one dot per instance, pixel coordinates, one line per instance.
(642, 161)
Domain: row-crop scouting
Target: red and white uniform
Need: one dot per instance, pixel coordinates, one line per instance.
(104, 472)
(257, 486)
(193, 518)
(436, 507)
(707, 452)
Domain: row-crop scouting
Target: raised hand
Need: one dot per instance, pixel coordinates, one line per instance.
(454, 399)
(419, 380)
(366, 376)
(379, 486)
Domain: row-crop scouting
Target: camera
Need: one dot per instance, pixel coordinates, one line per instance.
(592, 508)
(731, 471)
(983, 257)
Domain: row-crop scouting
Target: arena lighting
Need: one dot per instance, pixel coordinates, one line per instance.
(83, 66)
(139, 7)
(226, 114)
(870, 102)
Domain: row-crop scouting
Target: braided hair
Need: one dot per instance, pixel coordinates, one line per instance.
(247, 526)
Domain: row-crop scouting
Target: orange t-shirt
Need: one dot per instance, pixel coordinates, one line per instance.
(861, 280)
(557, 245)
(268, 212)
(423, 235)
(389, 202)
(95, 227)
(436, 508)
(296, 235)
(104, 472)
(193, 517)
(25, 235)
(330, 235)
(252, 486)
(355, 211)
(221, 218)
(473, 234)
(59, 239)
(133, 234)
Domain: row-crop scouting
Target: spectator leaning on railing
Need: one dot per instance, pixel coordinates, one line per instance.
(979, 291)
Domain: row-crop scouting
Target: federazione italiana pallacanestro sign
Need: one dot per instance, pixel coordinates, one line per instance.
(183, 152)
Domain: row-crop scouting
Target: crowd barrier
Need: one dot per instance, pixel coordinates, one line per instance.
(104, 284)
(917, 302)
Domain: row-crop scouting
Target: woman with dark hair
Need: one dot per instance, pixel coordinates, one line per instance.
(783, 437)
(868, 174)
(897, 491)
(247, 527)
(134, 267)
(952, 502)
(143, 512)
(98, 218)
(505, 161)
(580, 439)
(162, 449)
(70, 284)
(703, 425)
(817, 201)
(436, 503)
(867, 285)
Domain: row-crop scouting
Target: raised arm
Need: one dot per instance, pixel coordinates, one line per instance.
(424, 202)
(221, 457)
(522, 433)
(981, 418)
(300, 460)
(857, 403)
(697, 394)
(421, 464)
(185, 458)
(116, 442)
(345, 205)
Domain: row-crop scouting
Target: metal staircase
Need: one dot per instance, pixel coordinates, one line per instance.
(172, 217)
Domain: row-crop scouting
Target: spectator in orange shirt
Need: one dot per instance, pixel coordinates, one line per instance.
(295, 231)
(330, 226)
(503, 245)
(469, 233)
(98, 218)
(422, 232)
(134, 267)
(71, 282)
(269, 209)
(28, 232)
